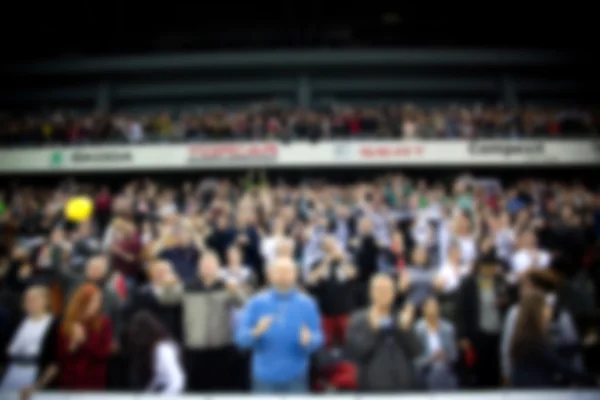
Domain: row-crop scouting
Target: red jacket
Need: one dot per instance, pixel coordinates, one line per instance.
(85, 369)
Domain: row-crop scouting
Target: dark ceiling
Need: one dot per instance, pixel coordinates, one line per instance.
(94, 27)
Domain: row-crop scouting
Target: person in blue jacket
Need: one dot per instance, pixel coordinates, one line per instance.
(282, 327)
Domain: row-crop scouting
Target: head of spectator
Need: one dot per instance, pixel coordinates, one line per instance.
(161, 273)
(144, 334)
(285, 248)
(419, 257)
(365, 227)
(83, 309)
(209, 268)
(454, 254)
(97, 269)
(234, 257)
(486, 266)
(431, 310)
(397, 245)
(330, 246)
(528, 240)
(283, 275)
(382, 292)
(35, 301)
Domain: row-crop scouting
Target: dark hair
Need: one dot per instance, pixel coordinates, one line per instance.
(144, 333)
(485, 259)
(529, 334)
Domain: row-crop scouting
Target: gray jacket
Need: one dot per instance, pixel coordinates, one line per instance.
(437, 374)
(384, 357)
(207, 316)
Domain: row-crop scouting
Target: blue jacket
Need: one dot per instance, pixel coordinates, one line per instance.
(278, 356)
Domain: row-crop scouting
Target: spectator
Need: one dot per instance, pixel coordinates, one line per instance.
(533, 363)
(482, 299)
(562, 334)
(282, 328)
(96, 272)
(416, 282)
(84, 342)
(438, 348)
(31, 350)
(162, 297)
(207, 329)
(528, 257)
(366, 251)
(125, 248)
(381, 343)
(331, 281)
(155, 357)
(176, 244)
(452, 271)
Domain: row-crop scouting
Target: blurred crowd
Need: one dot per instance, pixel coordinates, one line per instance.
(383, 285)
(272, 121)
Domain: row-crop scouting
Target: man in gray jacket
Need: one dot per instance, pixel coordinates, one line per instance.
(381, 342)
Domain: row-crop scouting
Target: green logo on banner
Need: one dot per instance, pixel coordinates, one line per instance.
(56, 159)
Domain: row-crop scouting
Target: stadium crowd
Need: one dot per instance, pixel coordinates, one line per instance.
(383, 285)
(273, 121)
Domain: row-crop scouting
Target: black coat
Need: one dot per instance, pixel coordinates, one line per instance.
(167, 312)
(540, 369)
(467, 314)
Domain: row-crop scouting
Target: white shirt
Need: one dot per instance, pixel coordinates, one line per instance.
(452, 276)
(169, 376)
(524, 259)
(27, 342)
(468, 250)
(505, 241)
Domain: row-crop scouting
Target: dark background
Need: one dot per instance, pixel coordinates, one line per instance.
(33, 30)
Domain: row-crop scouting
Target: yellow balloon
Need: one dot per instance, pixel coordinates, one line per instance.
(79, 209)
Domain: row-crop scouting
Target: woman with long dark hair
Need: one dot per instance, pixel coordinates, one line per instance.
(155, 360)
(533, 363)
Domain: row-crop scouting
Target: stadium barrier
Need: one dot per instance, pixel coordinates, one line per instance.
(239, 155)
(470, 395)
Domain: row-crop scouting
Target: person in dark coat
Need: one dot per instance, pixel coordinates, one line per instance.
(381, 343)
(161, 297)
(481, 304)
(534, 363)
(366, 255)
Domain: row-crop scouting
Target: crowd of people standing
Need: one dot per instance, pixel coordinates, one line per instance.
(275, 121)
(385, 285)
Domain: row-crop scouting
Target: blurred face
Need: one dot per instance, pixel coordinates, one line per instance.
(209, 267)
(454, 254)
(184, 238)
(159, 272)
(234, 257)
(528, 240)
(365, 227)
(419, 256)
(329, 244)
(285, 249)
(94, 306)
(282, 274)
(382, 292)
(431, 308)
(96, 269)
(35, 301)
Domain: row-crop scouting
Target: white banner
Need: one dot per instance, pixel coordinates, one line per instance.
(480, 153)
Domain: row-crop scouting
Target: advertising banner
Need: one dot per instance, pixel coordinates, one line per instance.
(245, 153)
(339, 154)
